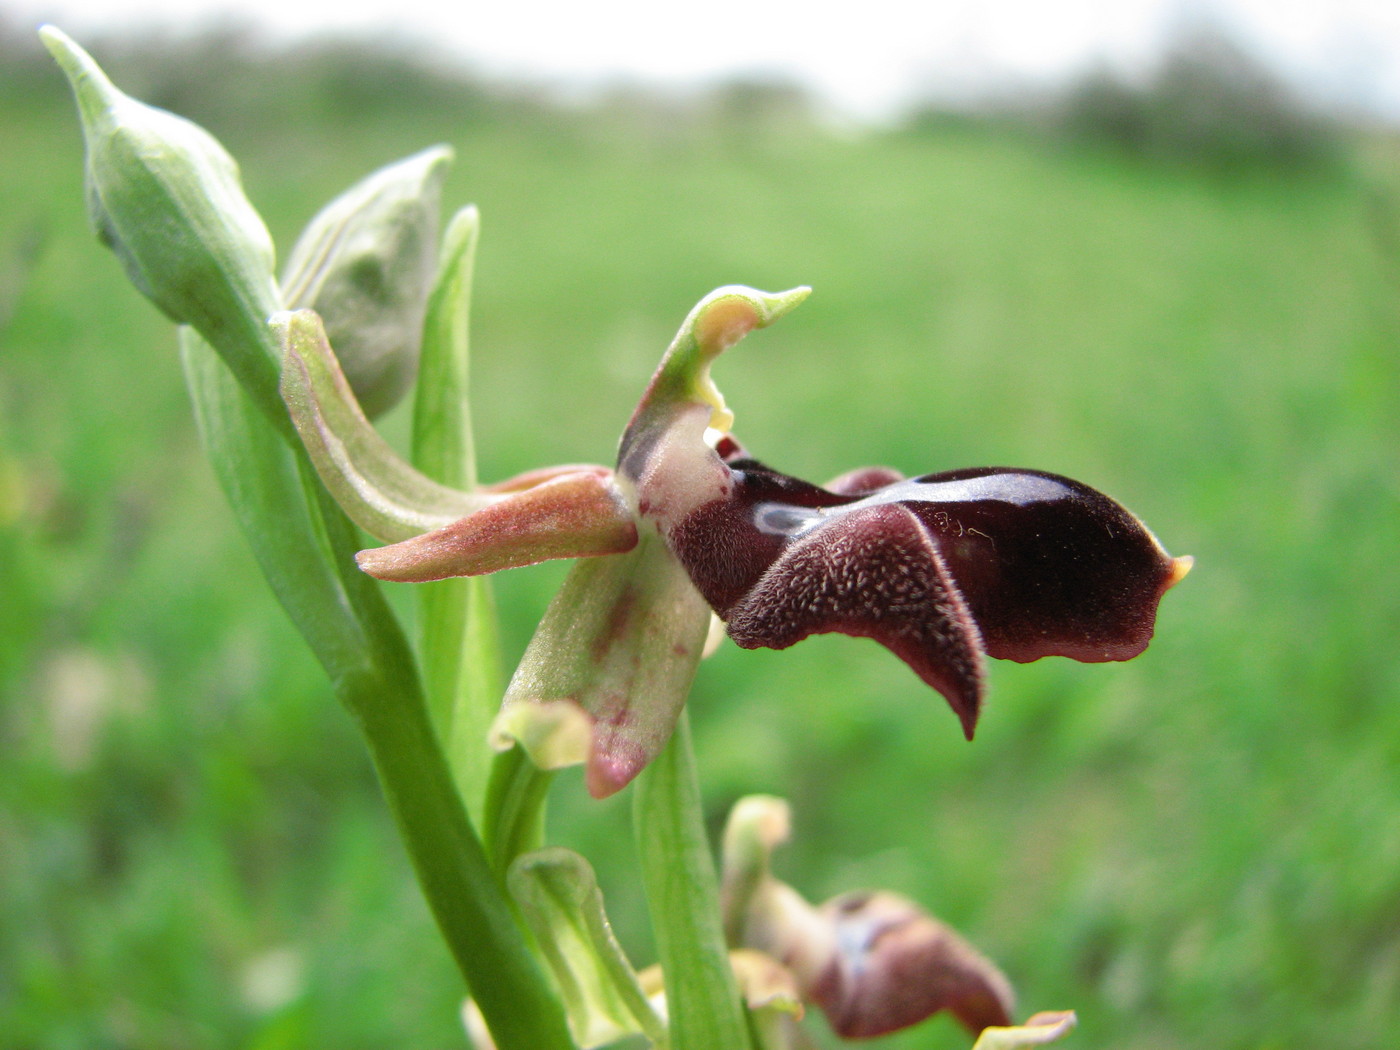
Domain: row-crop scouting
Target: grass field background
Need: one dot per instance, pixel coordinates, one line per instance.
(1196, 849)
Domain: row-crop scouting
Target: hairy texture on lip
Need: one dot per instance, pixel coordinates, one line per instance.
(941, 569)
(897, 965)
(878, 577)
(721, 548)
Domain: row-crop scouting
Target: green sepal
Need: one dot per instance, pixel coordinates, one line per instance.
(377, 488)
(714, 324)
(365, 263)
(1039, 1029)
(609, 668)
(559, 897)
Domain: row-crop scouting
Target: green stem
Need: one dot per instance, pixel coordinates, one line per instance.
(702, 997)
(453, 870)
(305, 547)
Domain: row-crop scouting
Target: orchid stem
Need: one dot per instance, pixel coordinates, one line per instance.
(305, 546)
(702, 997)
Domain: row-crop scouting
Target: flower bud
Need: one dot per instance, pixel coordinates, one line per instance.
(365, 263)
(165, 196)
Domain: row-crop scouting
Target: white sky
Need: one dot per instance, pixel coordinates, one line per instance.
(864, 55)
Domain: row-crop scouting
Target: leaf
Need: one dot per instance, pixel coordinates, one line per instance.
(303, 545)
(458, 640)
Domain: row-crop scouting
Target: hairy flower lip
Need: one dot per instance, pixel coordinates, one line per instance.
(941, 569)
(897, 965)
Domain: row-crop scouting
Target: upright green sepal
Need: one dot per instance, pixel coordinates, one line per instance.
(365, 263)
(166, 197)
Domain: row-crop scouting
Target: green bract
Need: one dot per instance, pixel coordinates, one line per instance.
(559, 896)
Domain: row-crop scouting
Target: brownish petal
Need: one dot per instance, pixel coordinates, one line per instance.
(874, 573)
(569, 516)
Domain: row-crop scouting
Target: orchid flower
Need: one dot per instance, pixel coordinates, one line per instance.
(872, 961)
(942, 569)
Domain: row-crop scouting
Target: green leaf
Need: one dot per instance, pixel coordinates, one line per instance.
(458, 639)
(702, 997)
(305, 546)
(365, 263)
(559, 897)
(443, 447)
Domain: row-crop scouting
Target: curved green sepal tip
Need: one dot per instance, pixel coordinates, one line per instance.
(716, 323)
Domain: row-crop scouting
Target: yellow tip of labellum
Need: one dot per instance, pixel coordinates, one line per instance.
(1180, 567)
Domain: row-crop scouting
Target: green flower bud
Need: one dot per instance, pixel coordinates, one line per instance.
(166, 198)
(365, 263)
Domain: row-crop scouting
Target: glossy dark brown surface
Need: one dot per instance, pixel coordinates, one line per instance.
(1017, 564)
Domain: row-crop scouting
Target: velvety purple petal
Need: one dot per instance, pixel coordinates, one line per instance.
(874, 573)
(727, 545)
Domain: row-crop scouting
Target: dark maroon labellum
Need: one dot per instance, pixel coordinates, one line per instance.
(1017, 564)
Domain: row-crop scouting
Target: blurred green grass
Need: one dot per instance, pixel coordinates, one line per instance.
(1197, 848)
